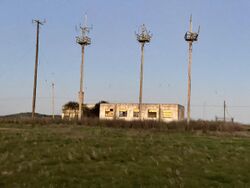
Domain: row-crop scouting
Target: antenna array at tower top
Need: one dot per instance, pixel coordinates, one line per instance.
(191, 36)
(143, 36)
(84, 39)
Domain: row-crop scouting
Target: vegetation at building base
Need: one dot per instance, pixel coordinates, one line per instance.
(60, 155)
(87, 112)
(199, 125)
(48, 152)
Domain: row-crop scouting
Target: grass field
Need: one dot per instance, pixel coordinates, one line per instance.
(84, 156)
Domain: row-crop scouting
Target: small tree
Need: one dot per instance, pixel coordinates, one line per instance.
(71, 105)
(87, 112)
(70, 109)
(96, 110)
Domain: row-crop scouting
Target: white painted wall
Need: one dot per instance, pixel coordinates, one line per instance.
(164, 112)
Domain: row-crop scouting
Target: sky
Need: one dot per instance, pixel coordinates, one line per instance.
(221, 58)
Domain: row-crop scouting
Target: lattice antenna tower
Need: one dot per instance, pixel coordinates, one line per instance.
(143, 35)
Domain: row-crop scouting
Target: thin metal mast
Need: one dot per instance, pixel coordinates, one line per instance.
(53, 100)
(224, 107)
(38, 23)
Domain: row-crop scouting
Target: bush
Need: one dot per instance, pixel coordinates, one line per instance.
(203, 126)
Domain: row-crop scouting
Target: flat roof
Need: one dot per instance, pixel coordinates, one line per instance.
(142, 104)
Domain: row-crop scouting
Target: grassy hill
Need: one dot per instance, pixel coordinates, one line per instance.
(24, 115)
(27, 115)
(86, 156)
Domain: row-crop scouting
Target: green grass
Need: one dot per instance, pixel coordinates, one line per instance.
(80, 156)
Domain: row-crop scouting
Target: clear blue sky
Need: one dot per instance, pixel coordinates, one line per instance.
(221, 58)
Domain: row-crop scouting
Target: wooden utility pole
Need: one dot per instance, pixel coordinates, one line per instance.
(190, 37)
(143, 37)
(83, 40)
(53, 100)
(38, 23)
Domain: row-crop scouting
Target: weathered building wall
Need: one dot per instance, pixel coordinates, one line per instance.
(69, 114)
(163, 112)
(73, 113)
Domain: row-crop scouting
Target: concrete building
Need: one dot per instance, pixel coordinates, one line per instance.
(69, 114)
(163, 112)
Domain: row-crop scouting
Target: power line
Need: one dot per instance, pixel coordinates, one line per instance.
(219, 106)
(53, 100)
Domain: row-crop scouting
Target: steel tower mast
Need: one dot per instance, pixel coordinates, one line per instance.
(143, 36)
(190, 37)
(83, 40)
